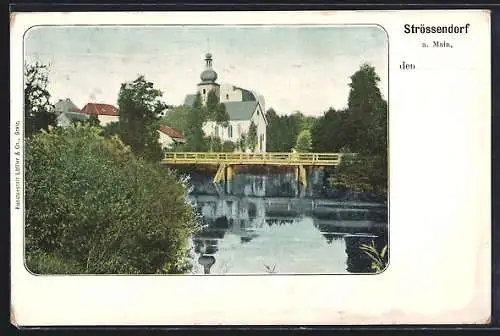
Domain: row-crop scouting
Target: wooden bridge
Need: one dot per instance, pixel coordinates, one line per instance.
(226, 161)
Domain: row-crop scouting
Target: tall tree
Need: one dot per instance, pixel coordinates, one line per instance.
(282, 131)
(272, 130)
(39, 112)
(194, 130)
(252, 136)
(304, 143)
(140, 109)
(365, 105)
(327, 132)
(211, 105)
(365, 127)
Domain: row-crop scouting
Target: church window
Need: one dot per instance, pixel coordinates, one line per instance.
(216, 131)
(204, 91)
(227, 96)
(230, 131)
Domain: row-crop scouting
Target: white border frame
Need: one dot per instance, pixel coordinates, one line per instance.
(439, 195)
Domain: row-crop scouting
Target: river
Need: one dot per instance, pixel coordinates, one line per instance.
(261, 224)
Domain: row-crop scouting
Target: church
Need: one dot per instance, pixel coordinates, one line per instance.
(242, 106)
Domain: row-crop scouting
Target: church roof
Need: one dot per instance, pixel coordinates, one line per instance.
(240, 110)
(246, 95)
(236, 110)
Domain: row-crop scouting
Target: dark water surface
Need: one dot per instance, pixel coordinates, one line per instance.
(260, 224)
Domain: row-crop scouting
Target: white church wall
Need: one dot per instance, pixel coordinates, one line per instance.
(228, 93)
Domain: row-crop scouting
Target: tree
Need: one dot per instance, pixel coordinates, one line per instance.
(242, 143)
(177, 118)
(93, 120)
(111, 129)
(365, 132)
(39, 112)
(221, 116)
(304, 141)
(252, 136)
(93, 207)
(365, 104)
(211, 105)
(140, 109)
(194, 134)
(228, 146)
(273, 131)
(328, 133)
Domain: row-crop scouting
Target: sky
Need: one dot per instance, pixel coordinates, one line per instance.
(303, 69)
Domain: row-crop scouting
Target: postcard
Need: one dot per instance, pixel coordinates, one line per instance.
(246, 168)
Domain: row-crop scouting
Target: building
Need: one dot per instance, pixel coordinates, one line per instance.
(68, 113)
(64, 106)
(169, 137)
(106, 113)
(243, 107)
(65, 119)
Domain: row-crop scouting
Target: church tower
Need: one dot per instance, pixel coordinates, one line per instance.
(208, 80)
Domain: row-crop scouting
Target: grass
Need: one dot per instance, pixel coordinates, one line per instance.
(271, 270)
(379, 260)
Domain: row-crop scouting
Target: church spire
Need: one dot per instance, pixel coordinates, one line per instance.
(208, 60)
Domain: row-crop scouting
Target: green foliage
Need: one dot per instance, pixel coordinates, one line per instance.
(194, 134)
(379, 259)
(365, 173)
(367, 111)
(221, 115)
(177, 118)
(93, 207)
(216, 111)
(111, 129)
(242, 143)
(93, 120)
(39, 112)
(328, 134)
(176, 147)
(282, 131)
(214, 143)
(251, 139)
(362, 129)
(212, 104)
(304, 143)
(228, 146)
(140, 107)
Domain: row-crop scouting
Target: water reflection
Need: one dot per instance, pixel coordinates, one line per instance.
(259, 220)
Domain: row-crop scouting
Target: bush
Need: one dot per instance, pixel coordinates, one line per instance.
(362, 173)
(95, 207)
(228, 146)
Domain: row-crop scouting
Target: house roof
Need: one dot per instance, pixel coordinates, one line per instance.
(174, 134)
(100, 109)
(66, 105)
(240, 110)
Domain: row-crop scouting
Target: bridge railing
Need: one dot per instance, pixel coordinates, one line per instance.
(242, 158)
